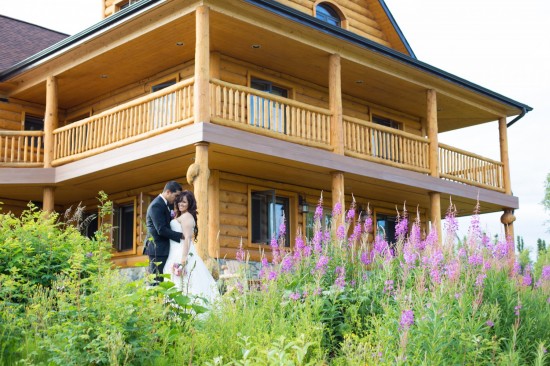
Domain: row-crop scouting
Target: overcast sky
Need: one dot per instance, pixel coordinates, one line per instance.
(502, 45)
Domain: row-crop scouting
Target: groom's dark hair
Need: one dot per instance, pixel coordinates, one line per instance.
(173, 186)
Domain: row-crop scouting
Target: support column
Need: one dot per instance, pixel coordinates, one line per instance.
(435, 213)
(214, 214)
(48, 199)
(507, 219)
(335, 104)
(201, 97)
(338, 194)
(503, 140)
(51, 119)
(431, 124)
(197, 176)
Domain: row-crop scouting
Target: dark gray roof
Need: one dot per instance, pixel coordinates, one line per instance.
(19, 40)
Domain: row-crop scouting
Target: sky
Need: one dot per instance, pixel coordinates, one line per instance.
(502, 45)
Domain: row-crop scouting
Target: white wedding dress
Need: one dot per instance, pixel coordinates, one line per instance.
(198, 280)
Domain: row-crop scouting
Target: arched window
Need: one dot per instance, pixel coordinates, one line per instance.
(326, 13)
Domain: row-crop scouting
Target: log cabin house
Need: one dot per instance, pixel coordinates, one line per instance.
(258, 106)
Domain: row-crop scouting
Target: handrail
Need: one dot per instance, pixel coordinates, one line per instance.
(466, 167)
(141, 118)
(385, 145)
(270, 115)
(21, 148)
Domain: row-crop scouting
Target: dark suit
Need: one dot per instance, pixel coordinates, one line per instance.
(159, 234)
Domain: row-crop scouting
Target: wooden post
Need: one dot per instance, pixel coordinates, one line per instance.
(48, 199)
(201, 96)
(335, 104)
(50, 119)
(215, 65)
(214, 213)
(198, 176)
(431, 122)
(435, 213)
(431, 119)
(503, 139)
(507, 219)
(338, 193)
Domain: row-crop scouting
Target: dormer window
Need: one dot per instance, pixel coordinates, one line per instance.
(327, 14)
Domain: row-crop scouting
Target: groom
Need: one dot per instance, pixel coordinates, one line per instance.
(159, 233)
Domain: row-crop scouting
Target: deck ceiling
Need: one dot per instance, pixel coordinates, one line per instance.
(127, 54)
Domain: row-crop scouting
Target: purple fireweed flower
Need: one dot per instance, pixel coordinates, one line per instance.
(501, 250)
(487, 266)
(475, 259)
(458, 295)
(381, 246)
(431, 240)
(351, 214)
(407, 319)
(415, 238)
(337, 210)
(341, 232)
(356, 233)
(240, 256)
(321, 266)
(486, 242)
(317, 238)
(516, 269)
(409, 255)
(517, 309)
(89, 255)
(452, 270)
(489, 323)
(307, 251)
(527, 280)
(545, 274)
(368, 224)
(326, 237)
(295, 296)
(318, 291)
(548, 300)
(239, 287)
(286, 265)
(388, 287)
(435, 275)
(275, 250)
(299, 247)
(272, 275)
(366, 258)
(341, 279)
(480, 280)
(475, 230)
(462, 252)
(402, 226)
(265, 262)
(451, 224)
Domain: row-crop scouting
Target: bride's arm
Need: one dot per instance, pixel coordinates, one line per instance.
(186, 222)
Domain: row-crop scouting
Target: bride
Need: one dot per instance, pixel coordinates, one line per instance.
(186, 268)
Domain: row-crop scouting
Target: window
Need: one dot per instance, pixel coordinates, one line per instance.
(326, 220)
(264, 112)
(162, 110)
(327, 14)
(385, 226)
(123, 227)
(34, 123)
(267, 212)
(381, 146)
(89, 224)
(126, 4)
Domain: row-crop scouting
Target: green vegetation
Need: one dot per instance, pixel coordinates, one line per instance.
(334, 300)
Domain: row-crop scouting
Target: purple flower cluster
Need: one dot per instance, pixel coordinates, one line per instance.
(341, 277)
(407, 319)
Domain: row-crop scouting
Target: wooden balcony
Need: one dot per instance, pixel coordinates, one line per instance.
(253, 111)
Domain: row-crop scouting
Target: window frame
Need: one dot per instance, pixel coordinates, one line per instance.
(110, 220)
(291, 222)
(385, 212)
(335, 8)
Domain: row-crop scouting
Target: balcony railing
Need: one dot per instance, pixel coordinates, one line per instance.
(250, 110)
(266, 114)
(369, 141)
(465, 167)
(139, 119)
(21, 149)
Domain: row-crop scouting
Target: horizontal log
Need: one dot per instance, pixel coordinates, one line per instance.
(231, 186)
(234, 197)
(232, 230)
(233, 208)
(233, 220)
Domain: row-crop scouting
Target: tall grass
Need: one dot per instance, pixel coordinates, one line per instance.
(336, 299)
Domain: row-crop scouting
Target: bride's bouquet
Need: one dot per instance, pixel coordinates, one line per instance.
(177, 269)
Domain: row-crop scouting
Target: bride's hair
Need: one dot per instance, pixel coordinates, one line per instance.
(191, 207)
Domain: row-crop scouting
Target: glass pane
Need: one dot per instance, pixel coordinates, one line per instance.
(327, 14)
(267, 216)
(385, 226)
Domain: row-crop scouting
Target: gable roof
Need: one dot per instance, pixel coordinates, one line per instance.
(392, 31)
(19, 40)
